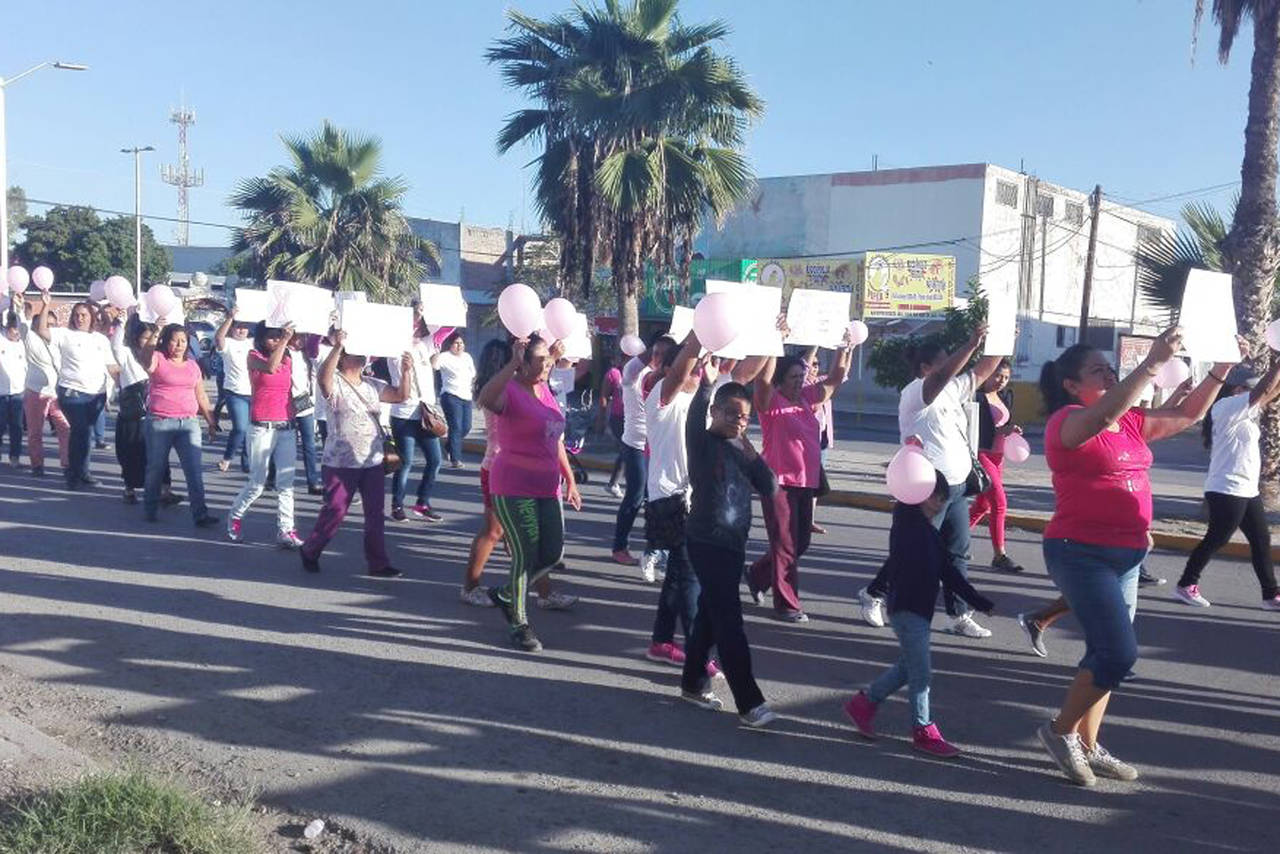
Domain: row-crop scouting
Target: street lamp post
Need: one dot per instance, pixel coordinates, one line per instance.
(4, 153)
(137, 214)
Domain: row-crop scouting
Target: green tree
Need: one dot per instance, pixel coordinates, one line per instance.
(17, 211)
(1251, 249)
(79, 247)
(330, 218)
(641, 124)
(888, 358)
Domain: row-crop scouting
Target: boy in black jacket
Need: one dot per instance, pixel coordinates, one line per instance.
(724, 472)
(918, 567)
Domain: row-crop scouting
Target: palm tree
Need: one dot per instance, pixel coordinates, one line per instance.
(640, 122)
(1251, 250)
(1163, 262)
(329, 218)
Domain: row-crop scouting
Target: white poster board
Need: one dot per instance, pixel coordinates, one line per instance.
(681, 323)
(442, 305)
(1208, 318)
(374, 329)
(339, 297)
(252, 305)
(761, 306)
(307, 307)
(1002, 317)
(818, 318)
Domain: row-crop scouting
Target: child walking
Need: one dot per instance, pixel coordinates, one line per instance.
(918, 565)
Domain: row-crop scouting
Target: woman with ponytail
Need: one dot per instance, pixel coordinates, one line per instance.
(1097, 446)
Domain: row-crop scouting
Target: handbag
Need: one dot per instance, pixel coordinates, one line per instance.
(132, 401)
(978, 480)
(664, 521)
(391, 459)
(433, 421)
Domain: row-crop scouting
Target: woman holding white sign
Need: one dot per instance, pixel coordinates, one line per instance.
(233, 345)
(406, 427)
(792, 447)
(271, 437)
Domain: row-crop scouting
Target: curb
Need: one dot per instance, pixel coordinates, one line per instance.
(1183, 543)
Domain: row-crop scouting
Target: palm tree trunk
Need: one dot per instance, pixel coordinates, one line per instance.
(625, 276)
(1253, 244)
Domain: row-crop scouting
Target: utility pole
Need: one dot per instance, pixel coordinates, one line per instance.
(1095, 203)
(136, 151)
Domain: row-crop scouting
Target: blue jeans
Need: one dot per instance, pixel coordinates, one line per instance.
(637, 467)
(457, 413)
(100, 426)
(82, 411)
(238, 406)
(911, 668)
(163, 435)
(678, 599)
(952, 522)
(11, 422)
(410, 436)
(310, 460)
(1100, 583)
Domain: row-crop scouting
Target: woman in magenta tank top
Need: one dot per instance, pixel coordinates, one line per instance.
(271, 436)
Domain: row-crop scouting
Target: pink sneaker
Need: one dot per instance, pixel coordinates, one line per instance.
(233, 530)
(289, 540)
(1272, 604)
(929, 740)
(861, 712)
(625, 558)
(667, 653)
(713, 669)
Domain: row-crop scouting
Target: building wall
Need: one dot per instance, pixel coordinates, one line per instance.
(447, 238)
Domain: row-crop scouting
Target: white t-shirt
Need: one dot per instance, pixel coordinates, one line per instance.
(13, 365)
(633, 429)
(235, 365)
(942, 426)
(1235, 463)
(131, 370)
(561, 381)
(668, 455)
(42, 364)
(84, 359)
(424, 380)
(457, 373)
(322, 405)
(301, 379)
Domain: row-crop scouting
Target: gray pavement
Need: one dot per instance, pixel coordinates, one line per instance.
(401, 713)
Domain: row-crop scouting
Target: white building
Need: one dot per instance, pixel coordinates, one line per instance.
(1004, 228)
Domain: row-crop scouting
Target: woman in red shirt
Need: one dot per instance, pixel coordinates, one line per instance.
(1096, 444)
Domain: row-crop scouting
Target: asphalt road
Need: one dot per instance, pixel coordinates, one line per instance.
(402, 713)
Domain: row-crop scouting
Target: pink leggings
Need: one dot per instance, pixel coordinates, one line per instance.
(992, 501)
(40, 408)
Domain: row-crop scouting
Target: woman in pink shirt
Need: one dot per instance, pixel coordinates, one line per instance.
(271, 436)
(994, 426)
(1096, 444)
(792, 447)
(176, 396)
(525, 477)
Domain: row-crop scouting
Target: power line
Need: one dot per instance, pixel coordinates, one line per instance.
(1184, 193)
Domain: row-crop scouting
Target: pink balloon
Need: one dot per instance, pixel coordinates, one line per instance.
(911, 477)
(717, 321)
(118, 291)
(520, 310)
(98, 290)
(1173, 374)
(631, 345)
(43, 277)
(1016, 449)
(1273, 335)
(858, 332)
(18, 279)
(561, 317)
(162, 301)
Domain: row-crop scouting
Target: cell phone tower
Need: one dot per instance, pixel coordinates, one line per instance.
(181, 175)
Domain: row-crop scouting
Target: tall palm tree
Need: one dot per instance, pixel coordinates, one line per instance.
(641, 124)
(1251, 249)
(329, 218)
(1163, 262)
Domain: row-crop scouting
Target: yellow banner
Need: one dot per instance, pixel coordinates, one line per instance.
(903, 285)
(819, 274)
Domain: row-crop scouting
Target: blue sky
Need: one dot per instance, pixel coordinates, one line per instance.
(1084, 92)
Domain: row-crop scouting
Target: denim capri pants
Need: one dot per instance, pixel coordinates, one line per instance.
(1100, 583)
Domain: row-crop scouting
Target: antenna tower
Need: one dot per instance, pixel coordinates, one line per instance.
(181, 175)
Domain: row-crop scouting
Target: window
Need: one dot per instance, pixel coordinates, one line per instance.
(1007, 194)
(1067, 336)
(1147, 234)
(1074, 214)
(1044, 206)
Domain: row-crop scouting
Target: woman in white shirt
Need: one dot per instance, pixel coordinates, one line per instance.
(457, 380)
(233, 342)
(304, 368)
(84, 366)
(40, 400)
(1231, 488)
(406, 427)
(13, 376)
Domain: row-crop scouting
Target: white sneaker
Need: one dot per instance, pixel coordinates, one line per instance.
(288, 540)
(1191, 595)
(967, 626)
(557, 602)
(872, 608)
(477, 596)
(649, 566)
(1103, 764)
(1272, 604)
(760, 716)
(616, 490)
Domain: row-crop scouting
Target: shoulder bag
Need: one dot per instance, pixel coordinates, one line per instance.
(391, 460)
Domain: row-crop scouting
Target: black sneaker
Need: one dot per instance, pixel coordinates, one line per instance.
(522, 637)
(207, 521)
(315, 490)
(1035, 634)
(397, 514)
(1005, 564)
(37, 471)
(424, 511)
(101, 446)
(310, 564)
(385, 572)
(1146, 579)
(501, 604)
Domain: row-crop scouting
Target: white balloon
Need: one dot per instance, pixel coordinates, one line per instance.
(631, 345)
(858, 332)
